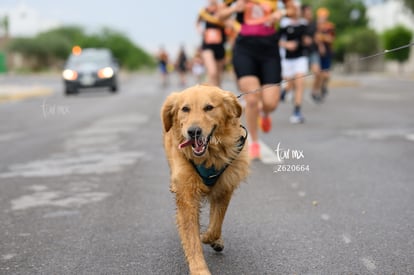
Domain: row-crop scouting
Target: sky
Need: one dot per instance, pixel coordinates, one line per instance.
(148, 23)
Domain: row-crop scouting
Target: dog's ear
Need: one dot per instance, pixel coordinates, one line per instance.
(168, 110)
(232, 105)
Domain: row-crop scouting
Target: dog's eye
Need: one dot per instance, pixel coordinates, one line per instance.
(208, 108)
(185, 109)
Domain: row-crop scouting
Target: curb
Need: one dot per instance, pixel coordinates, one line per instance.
(14, 94)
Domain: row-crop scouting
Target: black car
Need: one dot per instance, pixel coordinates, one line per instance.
(90, 67)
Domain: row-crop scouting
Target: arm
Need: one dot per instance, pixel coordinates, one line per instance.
(199, 25)
(226, 12)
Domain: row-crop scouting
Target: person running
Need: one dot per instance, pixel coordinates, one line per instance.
(312, 49)
(213, 34)
(162, 58)
(181, 65)
(256, 62)
(295, 64)
(325, 36)
(197, 66)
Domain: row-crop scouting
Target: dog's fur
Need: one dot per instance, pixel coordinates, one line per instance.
(207, 108)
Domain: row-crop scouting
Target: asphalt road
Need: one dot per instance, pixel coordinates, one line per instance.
(84, 185)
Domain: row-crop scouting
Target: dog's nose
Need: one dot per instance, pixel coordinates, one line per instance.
(194, 132)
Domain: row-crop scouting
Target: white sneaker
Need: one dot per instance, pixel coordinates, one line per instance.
(297, 119)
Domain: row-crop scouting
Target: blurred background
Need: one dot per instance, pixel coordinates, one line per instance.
(39, 35)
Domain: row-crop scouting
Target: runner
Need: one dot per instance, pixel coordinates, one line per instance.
(256, 61)
(213, 32)
(181, 65)
(295, 64)
(162, 57)
(197, 66)
(312, 50)
(325, 36)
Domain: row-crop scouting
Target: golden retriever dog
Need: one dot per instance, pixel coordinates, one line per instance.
(205, 147)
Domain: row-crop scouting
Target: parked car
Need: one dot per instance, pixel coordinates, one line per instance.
(88, 68)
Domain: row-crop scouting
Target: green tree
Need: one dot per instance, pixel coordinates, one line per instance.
(362, 41)
(409, 4)
(394, 38)
(346, 15)
(349, 18)
(54, 46)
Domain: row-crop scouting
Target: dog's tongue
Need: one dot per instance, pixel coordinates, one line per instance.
(185, 143)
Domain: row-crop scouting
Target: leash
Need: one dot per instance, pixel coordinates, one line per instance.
(258, 90)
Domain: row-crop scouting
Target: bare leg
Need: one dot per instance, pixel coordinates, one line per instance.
(220, 69)
(318, 83)
(248, 84)
(299, 87)
(316, 70)
(270, 97)
(211, 67)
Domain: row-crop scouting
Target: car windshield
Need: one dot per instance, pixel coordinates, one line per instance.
(100, 58)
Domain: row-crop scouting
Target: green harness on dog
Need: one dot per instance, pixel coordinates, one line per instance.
(211, 175)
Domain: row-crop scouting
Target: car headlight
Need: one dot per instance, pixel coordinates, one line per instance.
(106, 72)
(69, 74)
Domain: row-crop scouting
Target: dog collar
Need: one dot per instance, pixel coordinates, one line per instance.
(211, 175)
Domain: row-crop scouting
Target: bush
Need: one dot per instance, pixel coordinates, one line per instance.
(361, 41)
(56, 44)
(394, 38)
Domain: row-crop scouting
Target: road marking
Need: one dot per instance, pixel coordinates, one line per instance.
(267, 154)
(93, 150)
(381, 134)
(368, 263)
(47, 197)
(74, 165)
(301, 194)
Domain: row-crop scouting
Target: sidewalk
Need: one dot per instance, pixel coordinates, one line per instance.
(19, 92)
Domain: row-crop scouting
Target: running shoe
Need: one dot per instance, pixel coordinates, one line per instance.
(254, 150)
(265, 123)
(297, 118)
(317, 98)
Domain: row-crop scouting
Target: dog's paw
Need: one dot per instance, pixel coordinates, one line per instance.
(218, 245)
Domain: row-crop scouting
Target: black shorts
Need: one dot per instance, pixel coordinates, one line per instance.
(218, 50)
(258, 56)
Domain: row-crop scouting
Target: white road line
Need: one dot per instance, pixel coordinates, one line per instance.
(301, 194)
(268, 155)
